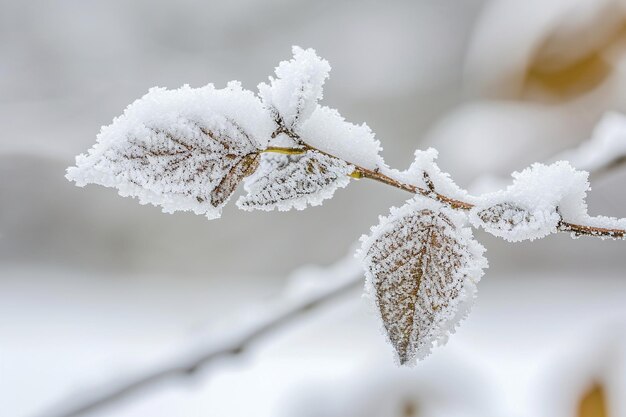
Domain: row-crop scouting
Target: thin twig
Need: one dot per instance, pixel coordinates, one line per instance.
(361, 172)
(189, 364)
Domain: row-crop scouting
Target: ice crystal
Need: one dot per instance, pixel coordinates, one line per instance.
(184, 149)
(294, 181)
(426, 174)
(421, 269)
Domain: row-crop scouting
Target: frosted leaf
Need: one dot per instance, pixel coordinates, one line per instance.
(328, 131)
(534, 204)
(515, 222)
(244, 168)
(184, 149)
(284, 182)
(421, 269)
(294, 93)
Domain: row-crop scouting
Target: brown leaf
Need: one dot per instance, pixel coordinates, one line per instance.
(246, 167)
(505, 216)
(186, 161)
(294, 181)
(422, 266)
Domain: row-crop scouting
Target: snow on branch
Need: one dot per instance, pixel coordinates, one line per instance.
(308, 289)
(189, 149)
(293, 95)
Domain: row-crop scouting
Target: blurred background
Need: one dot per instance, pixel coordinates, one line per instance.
(94, 287)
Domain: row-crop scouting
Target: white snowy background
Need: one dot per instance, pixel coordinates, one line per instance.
(94, 287)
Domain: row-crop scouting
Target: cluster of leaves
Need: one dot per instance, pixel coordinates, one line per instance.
(189, 149)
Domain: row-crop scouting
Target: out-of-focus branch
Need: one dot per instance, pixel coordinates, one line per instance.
(613, 165)
(319, 288)
(605, 151)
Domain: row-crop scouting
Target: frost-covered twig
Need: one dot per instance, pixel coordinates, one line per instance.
(361, 172)
(189, 149)
(309, 289)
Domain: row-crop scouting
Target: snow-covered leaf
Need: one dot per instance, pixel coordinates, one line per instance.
(293, 94)
(184, 149)
(294, 181)
(533, 205)
(514, 222)
(245, 167)
(421, 268)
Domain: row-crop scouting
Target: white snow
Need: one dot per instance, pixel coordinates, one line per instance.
(539, 198)
(422, 290)
(328, 131)
(284, 182)
(424, 163)
(530, 207)
(295, 91)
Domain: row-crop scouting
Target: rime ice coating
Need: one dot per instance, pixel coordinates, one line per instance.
(423, 166)
(293, 97)
(294, 93)
(182, 149)
(326, 130)
(539, 198)
(532, 206)
(421, 267)
(284, 182)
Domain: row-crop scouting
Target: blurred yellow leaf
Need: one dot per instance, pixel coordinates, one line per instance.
(593, 403)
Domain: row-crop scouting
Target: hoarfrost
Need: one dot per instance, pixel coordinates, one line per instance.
(421, 267)
(284, 182)
(534, 204)
(426, 174)
(328, 131)
(184, 149)
(294, 93)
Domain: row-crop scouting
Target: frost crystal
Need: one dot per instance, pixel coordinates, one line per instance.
(294, 181)
(425, 173)
(326, 130)
(533, 205)
(184, 149)
(421, 269)
(293, 95)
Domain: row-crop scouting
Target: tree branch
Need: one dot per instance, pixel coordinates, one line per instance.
(287, 309)
(361, 172)
(339, 279)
